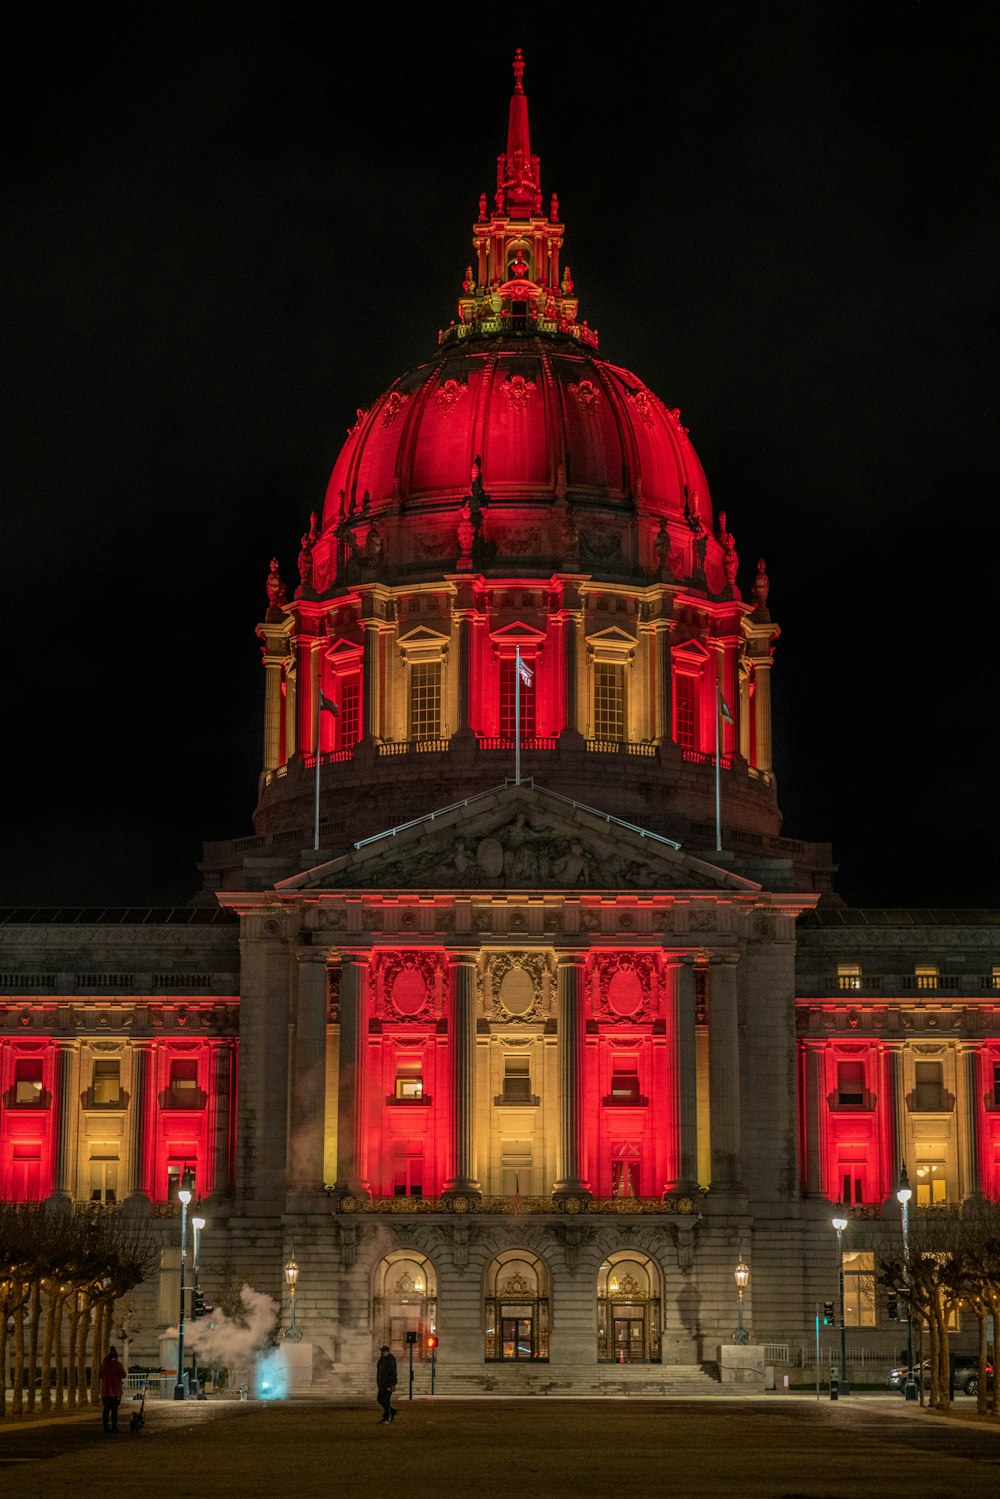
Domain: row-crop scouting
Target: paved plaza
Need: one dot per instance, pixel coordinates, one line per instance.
(780, 1448)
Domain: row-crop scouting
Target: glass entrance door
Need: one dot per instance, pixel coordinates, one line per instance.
(630, 1339)
(516, 1338)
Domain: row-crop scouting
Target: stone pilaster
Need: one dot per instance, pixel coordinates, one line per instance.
(762, 712)
(138, 1110)
(221, 1124)
(370, 726)
(354, 978)
(968, 1102)
(894, 1102)
(305, 1143)
(571, 735)
(463, 1181)
(685, 1079)
(814, 1119)
(572, 1180)
(65, 1105)
(724, 1073)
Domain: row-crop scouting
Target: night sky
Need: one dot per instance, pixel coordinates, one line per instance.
(229, 226)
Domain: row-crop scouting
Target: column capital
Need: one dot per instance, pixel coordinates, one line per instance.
(310, 955)
(726, 959)
(462, 956)
(572, 958)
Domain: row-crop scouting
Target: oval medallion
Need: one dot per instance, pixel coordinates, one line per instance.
(625, 994)
(517, 992)
(409, 992)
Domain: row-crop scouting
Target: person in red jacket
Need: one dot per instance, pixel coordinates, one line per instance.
(112, 1375)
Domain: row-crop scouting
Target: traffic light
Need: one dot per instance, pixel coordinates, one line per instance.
(432, 1342)
(828, 1314)
(892, 1306)
(198, 1307)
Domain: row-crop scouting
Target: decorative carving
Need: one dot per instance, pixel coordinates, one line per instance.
(517, 1287)
(626, 986)
(730, 561)
(530, 1004)
(761, 588)
(362, 413)
(395, 401)
(276, 595)
(466, 533)
(518, 542)
(519, 390)
(674, 414)
(449, 393)
(643, 401)
(586, 393)
(605, 548)
(434, 546)
(407, 986)
(701, 920)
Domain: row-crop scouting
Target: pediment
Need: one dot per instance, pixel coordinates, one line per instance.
(421, 635)
(517, 633)
(519, 838)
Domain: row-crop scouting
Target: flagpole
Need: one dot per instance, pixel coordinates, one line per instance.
(316, 688)
(517, 715)
(718, 773)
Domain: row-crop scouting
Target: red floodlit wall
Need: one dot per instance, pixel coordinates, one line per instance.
(27, 1127)
(855, 1122)
(987, 1106)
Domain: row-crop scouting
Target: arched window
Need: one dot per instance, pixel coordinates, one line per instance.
(517, 1308)
(404, 1300)
(628, 1309)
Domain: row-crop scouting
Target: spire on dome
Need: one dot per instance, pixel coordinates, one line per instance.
(515, 284)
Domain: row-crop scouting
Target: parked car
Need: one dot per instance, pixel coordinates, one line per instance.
(966, 1374)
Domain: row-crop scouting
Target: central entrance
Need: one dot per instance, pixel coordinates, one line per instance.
(630, 1341)
(628, 1310)
(517, 1309)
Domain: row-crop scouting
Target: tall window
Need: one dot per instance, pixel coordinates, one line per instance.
(609, 700)
(685, 710)
(932, 1184)
(508, 679)
(103, 1174)
(928, 1092)
(184, 1083)
(625, 1081)
(515, 1168)
(175, 1173)
(409, 1078)
(625, 1164)
(425, 700)
(107, 1083)
(349, 722)
(850, 1083)
(859, 1288)
(28, 1080)
(516, 1078)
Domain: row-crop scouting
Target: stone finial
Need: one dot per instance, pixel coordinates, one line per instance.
(276, 595)
(730, 560)
(305, 564)
(761, 588)
(554, 209)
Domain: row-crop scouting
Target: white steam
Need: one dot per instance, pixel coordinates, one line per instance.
(233, 1342)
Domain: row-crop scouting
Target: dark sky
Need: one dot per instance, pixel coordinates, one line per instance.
(230, 226)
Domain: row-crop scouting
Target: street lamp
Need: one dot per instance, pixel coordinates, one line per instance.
(903, 1196)
(197, 1223)
(292, 1333)
(840, 1223)
(742, 1277)
(184, 1193)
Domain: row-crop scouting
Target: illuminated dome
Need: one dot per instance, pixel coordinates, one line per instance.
(516, 498)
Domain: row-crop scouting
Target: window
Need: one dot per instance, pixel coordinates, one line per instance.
(103, 1174)
(625, 1081)
(409, 1078)
(175, 1170)
(927, 975)
(928, 1092)
(859, 1288)
(508, 680)
(848, 975)
(852, 1188)
(685, 710)
(28, 1080)
(515, 1168)
(993, 982)
(850, 1083)
(425, 700)
(996, 1083)
(932, 1184)
(184, 1083)
(516, 1078)
(107, 1089)
(408, 1169)
(349, 722)
(609, 700)
(625, 1177)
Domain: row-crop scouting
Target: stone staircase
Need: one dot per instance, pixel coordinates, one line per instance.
(511, 1381)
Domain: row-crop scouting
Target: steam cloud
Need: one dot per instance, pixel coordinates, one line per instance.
(232, 1342)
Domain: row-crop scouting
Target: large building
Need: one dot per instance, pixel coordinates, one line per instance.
(485, 1021)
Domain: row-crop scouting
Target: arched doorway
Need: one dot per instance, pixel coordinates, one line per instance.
(404, 1301)
(628, 1310)
(517, 1308)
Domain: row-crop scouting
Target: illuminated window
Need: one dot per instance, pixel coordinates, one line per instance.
(927, 975)
(107, 1087)
(685, 710)
(425, 700)
(28, 1080)
(625, 1081)
(516, 1077)
(848, 975)
(516, 1172)
(932, 1184)
(993, 982)
(609, 700)
(175, 1171)
(508, 677)
(408, 1169)
(850, 1083)
(349, 720)
(859, 1288)
(852, 1186)
(103, 1173)
(928, 1092)
(625, 1165)
(409, 1078)
(184, 1083)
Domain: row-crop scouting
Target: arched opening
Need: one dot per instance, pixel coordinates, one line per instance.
(517, 1308)
(628, 1310)
(404, 1300)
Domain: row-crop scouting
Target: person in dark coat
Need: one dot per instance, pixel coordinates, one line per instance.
(112, 1377)
(386, 1379)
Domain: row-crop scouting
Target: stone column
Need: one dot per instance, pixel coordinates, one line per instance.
(762, 711)
(305, 694)
(66, 1113)
(685, 1079)
(370, 681)
(571, 685)
(354, 973)
(814, 1120)
(894, 1102)
(969, 1136)
(272, 712)
(572, 1181)
(724, 1073)
(308, 1089)
(221, 1135)
(463, 1074)
(138, 1110)
(290, 715)
(664, 683)
(744, 710)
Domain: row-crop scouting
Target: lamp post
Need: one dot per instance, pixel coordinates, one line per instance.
(292, 1332)
(197, 1223)
(184, 1195)
(742, 1277)
(903, 1196)
(840, 1223)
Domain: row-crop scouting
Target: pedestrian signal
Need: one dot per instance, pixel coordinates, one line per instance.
(432, 1341)
(892, 1307)
(828, 1314)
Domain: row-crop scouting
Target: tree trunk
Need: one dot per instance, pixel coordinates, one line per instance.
(993, 1301)
(57, 1342)
(74, 1323)
(35, 1313)
(17, 1399)
(3, 1361)
(83, 1394)
(47, 1343)
(932, 1329)
(982, 1398)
